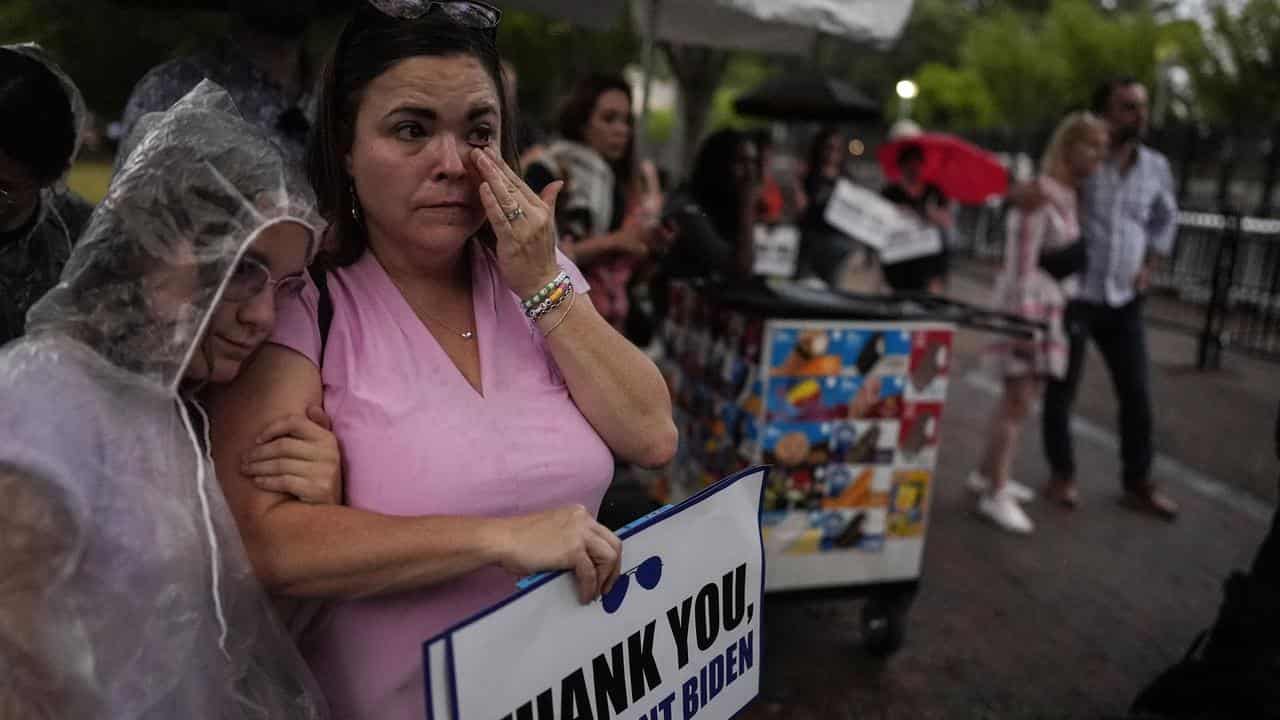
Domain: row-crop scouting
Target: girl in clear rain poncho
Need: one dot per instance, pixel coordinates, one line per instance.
(125, 590)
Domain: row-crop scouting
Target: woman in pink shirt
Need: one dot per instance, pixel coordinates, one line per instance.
(478, 397)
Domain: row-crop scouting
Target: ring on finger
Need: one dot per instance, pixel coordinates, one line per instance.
(516, 214)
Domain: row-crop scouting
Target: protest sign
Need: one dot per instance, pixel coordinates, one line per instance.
(869, 218)
(678, 636)
(777, 250)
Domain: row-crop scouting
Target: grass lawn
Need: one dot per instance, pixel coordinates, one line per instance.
(89, 179)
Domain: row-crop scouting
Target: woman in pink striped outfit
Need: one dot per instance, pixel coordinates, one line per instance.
(1025, 288)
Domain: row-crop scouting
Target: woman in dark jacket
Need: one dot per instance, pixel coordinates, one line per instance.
(39, 217)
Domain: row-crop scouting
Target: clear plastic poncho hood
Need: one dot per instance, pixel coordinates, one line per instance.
(126, 591)
(197, 185)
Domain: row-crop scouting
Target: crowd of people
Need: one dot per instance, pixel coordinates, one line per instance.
(379, 252)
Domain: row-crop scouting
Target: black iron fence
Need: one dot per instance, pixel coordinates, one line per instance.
(1222, 282)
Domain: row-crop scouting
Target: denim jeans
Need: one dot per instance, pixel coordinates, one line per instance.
(1121, 337)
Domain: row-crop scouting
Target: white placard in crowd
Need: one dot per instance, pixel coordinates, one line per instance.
(869, 218)
(916, 240)
(777, 250)
(678, 636)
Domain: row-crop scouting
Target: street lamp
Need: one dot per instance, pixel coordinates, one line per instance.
(907, 91)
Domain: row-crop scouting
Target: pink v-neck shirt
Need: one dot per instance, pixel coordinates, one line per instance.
(417, 439)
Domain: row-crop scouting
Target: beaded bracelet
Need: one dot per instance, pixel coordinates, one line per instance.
(558, 297)
(573, 298)
(550, 296)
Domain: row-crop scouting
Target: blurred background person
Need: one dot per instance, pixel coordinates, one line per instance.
(1027, 289)
(931, 206)
(595, 156)
(712, 217)
(772, 205)
(261, 63)
(726, 185)
(41, 113)
(782, 196)
(824, 250)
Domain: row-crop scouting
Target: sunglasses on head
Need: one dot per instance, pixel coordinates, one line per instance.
(647, 573)
(468, 13)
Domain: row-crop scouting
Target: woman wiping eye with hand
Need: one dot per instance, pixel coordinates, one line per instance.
(479, 397)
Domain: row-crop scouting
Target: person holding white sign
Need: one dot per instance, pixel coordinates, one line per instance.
(1032, 286)
(478, 396)
(825, 249)
(927, 202)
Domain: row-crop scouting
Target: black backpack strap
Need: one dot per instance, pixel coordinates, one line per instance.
(324, 310)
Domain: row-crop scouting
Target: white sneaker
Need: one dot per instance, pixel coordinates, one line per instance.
(1005, 512)
(978, 484)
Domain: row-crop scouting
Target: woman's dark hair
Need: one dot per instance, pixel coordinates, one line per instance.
(370, 44)
(711, 184)
(37, 126)
(581, 103)
(818, 147)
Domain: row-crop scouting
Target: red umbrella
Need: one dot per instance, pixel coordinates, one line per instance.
(963, 171)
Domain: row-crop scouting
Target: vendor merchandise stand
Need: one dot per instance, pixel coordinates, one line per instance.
(843, 395)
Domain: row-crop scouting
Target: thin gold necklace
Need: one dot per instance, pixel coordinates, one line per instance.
(464, 334)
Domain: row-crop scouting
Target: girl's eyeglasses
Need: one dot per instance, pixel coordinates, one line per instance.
(648, 574)
(252, 277)
(468, 13)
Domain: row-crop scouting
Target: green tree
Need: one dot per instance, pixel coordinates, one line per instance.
(1026, 83)
(1094, 46)
(1235, 65)
(1234, 68)
(1021, 65)
(953, 98)
(743, 72)
(933, 34)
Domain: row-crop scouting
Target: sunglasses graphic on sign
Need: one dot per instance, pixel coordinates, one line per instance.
(648, 574)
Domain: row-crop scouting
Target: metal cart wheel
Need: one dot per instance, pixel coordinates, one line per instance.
(884, 622)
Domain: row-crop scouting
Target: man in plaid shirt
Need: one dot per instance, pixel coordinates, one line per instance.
(1128, 218)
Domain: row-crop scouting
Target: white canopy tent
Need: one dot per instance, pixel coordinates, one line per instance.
(784, 26)
(780, 26)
